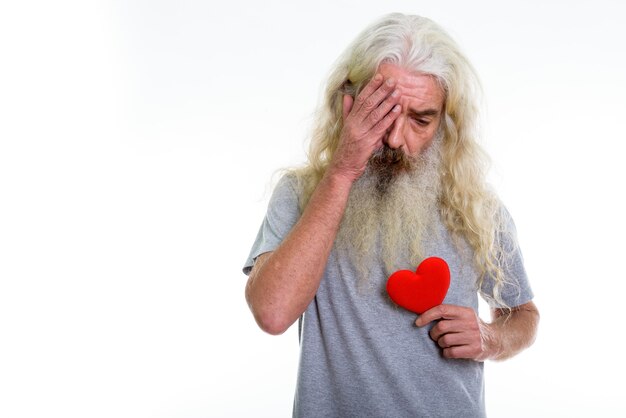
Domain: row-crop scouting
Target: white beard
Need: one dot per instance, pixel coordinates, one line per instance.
(387, 219)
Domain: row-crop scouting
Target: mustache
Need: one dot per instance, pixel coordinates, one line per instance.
(388, 163)
(387, 157)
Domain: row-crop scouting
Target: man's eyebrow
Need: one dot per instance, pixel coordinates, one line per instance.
(425, 112)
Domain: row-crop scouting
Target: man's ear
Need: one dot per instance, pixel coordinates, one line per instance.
(348, 101)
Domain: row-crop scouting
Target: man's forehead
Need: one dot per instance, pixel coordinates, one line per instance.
(419, 90)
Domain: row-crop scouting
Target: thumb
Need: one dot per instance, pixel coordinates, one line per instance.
(348, 101)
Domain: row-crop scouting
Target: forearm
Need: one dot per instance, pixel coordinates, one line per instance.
(509, 334)
(282, 286)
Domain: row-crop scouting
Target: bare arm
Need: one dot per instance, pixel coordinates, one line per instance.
(510, 333)
(462, 334)
(283, 282)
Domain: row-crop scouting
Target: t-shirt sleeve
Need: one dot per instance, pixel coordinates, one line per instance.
(282, 214)
(516, 290)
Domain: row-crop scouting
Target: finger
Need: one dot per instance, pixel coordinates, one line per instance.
(438, 312)
(441, 328)
(450, 340)
(469, 351)
(348, 101)
(389, 103)
(384, 124)
(369, 89)
(366, 103)
(458, 351)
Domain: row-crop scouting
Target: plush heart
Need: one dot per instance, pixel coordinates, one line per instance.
(422, 290)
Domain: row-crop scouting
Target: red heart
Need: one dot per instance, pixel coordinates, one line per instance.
(422, 290)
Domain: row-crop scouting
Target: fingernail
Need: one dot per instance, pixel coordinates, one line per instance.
(378, 77)
(395, 93)
(390, 81)
(396, 108)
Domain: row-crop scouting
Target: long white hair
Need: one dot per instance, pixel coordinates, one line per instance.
(468, 207)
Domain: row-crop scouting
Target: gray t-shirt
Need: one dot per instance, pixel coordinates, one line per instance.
(360, 354)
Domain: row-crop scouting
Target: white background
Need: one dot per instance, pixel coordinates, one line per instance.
(137, 144)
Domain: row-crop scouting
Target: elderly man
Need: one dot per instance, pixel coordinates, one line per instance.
(394, 175)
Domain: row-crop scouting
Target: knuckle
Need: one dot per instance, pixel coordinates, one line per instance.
(433, 334)
(374, 117)
(386, 122)
(380, 127)
(369, 103)
(443, 341)
(443, 326)
(457, 352)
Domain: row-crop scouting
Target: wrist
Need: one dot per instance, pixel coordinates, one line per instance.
(491, 344)
(340, 178)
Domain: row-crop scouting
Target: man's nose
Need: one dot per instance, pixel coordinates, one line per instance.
(394, 137)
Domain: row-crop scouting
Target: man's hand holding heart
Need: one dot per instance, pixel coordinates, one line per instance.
(460, 332)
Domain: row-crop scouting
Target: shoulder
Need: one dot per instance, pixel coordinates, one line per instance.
(286, 188)
(505, 222)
